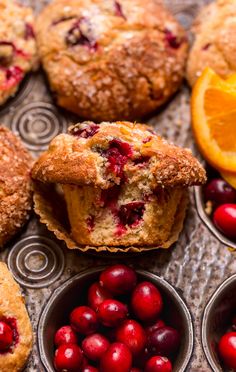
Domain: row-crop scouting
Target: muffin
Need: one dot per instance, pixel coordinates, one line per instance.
(17, 46)
(16, 330)
(116, 59)
(215, 40)
(123, 186)
(15, 185)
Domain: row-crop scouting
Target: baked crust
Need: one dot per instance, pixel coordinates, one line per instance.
(127, 60)
(15, 185)
(215, 41)
(17, 46)
(12, 307)
(71, 159)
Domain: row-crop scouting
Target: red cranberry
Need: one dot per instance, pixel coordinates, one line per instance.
(29, 32)
(118, 279)
(65, 335)
(84, 130)
(118, 10)
(172, 40)
(94, 346)
(112, 312)
(84, 320)
(117, 155)
(158, 364)
(117, 358)
(164, 341)
(224, 218)
(227, 349)
(131, 214)
(132, 334)
(14, 75)
(96, 295)
(6, 336)
(89, 369)
(158, 324)
(68, 357)
(220, 192)
(77, 36)
(146, 302)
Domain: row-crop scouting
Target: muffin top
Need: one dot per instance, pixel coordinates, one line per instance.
(17, 46)
(112, 153)
(215, 40)
(115, 59)
(15, 185)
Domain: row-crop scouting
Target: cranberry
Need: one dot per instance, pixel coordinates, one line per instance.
(158, 324)
(158, 364)
(224, 218)
(109, 197)
(206, 46)
(94, 346)
(65, 335)
(6, 336)
(220, 192)
(118, 279)
(84, 320)
(119, 10)
(29, 31)
(164, 341)
(227, 349)
(80, 34)
(117, 358)
(134, 369)
(112, 312)
(84, 130)
(172, 40)
(68, 357)
(117, 155)
(142, 160)
(96, 295)
(132, 334)
(146, 302)
(14, 75)
(131, 214)
(90, 223)
(89, 369)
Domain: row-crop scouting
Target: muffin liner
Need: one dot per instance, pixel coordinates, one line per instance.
(51, 208)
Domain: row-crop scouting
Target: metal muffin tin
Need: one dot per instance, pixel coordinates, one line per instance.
(196, 265)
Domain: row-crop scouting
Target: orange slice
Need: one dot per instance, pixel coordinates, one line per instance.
(213, 108)
(230, 178)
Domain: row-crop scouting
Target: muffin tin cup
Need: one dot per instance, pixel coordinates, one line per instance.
(216, 320)
(207, 221)
(73, 292)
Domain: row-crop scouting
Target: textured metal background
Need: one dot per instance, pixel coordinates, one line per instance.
(196, 265)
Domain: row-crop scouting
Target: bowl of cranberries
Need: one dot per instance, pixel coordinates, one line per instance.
(219, 327)
(115, 319)
(216, 205)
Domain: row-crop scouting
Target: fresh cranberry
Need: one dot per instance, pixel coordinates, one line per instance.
(118, 279)
(117, 155)
(131, 213)
(224, 218)
(172, 40)
(84, 130)
(158, 364)
(94, 346)
(118, 10)
(84, 320)
(6, 336)
(146, 302)
(65, 335)
(132, 334)
(68, 357)
(89, 369)
(227, 349)
(117, 358)
(96, 295)
(220, 192)
(164, 341)
(78, 36)
(158, 324)
(112, 312)
(29, 31)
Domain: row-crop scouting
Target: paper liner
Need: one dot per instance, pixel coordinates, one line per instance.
(51, 208)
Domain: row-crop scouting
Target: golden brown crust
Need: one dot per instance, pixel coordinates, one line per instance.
(12, 307)
(128, 62)
(74, 160)
(215, 40)
(15, 185)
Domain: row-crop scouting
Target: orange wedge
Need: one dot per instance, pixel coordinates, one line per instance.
(213, 108)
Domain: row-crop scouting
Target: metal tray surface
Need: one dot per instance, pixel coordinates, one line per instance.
(196, 265)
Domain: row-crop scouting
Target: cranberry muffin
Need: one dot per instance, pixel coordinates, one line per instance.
(116, 59)
(16, 331)
(15, 185)
(215, 41)
(17, 46)
(123, 185)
